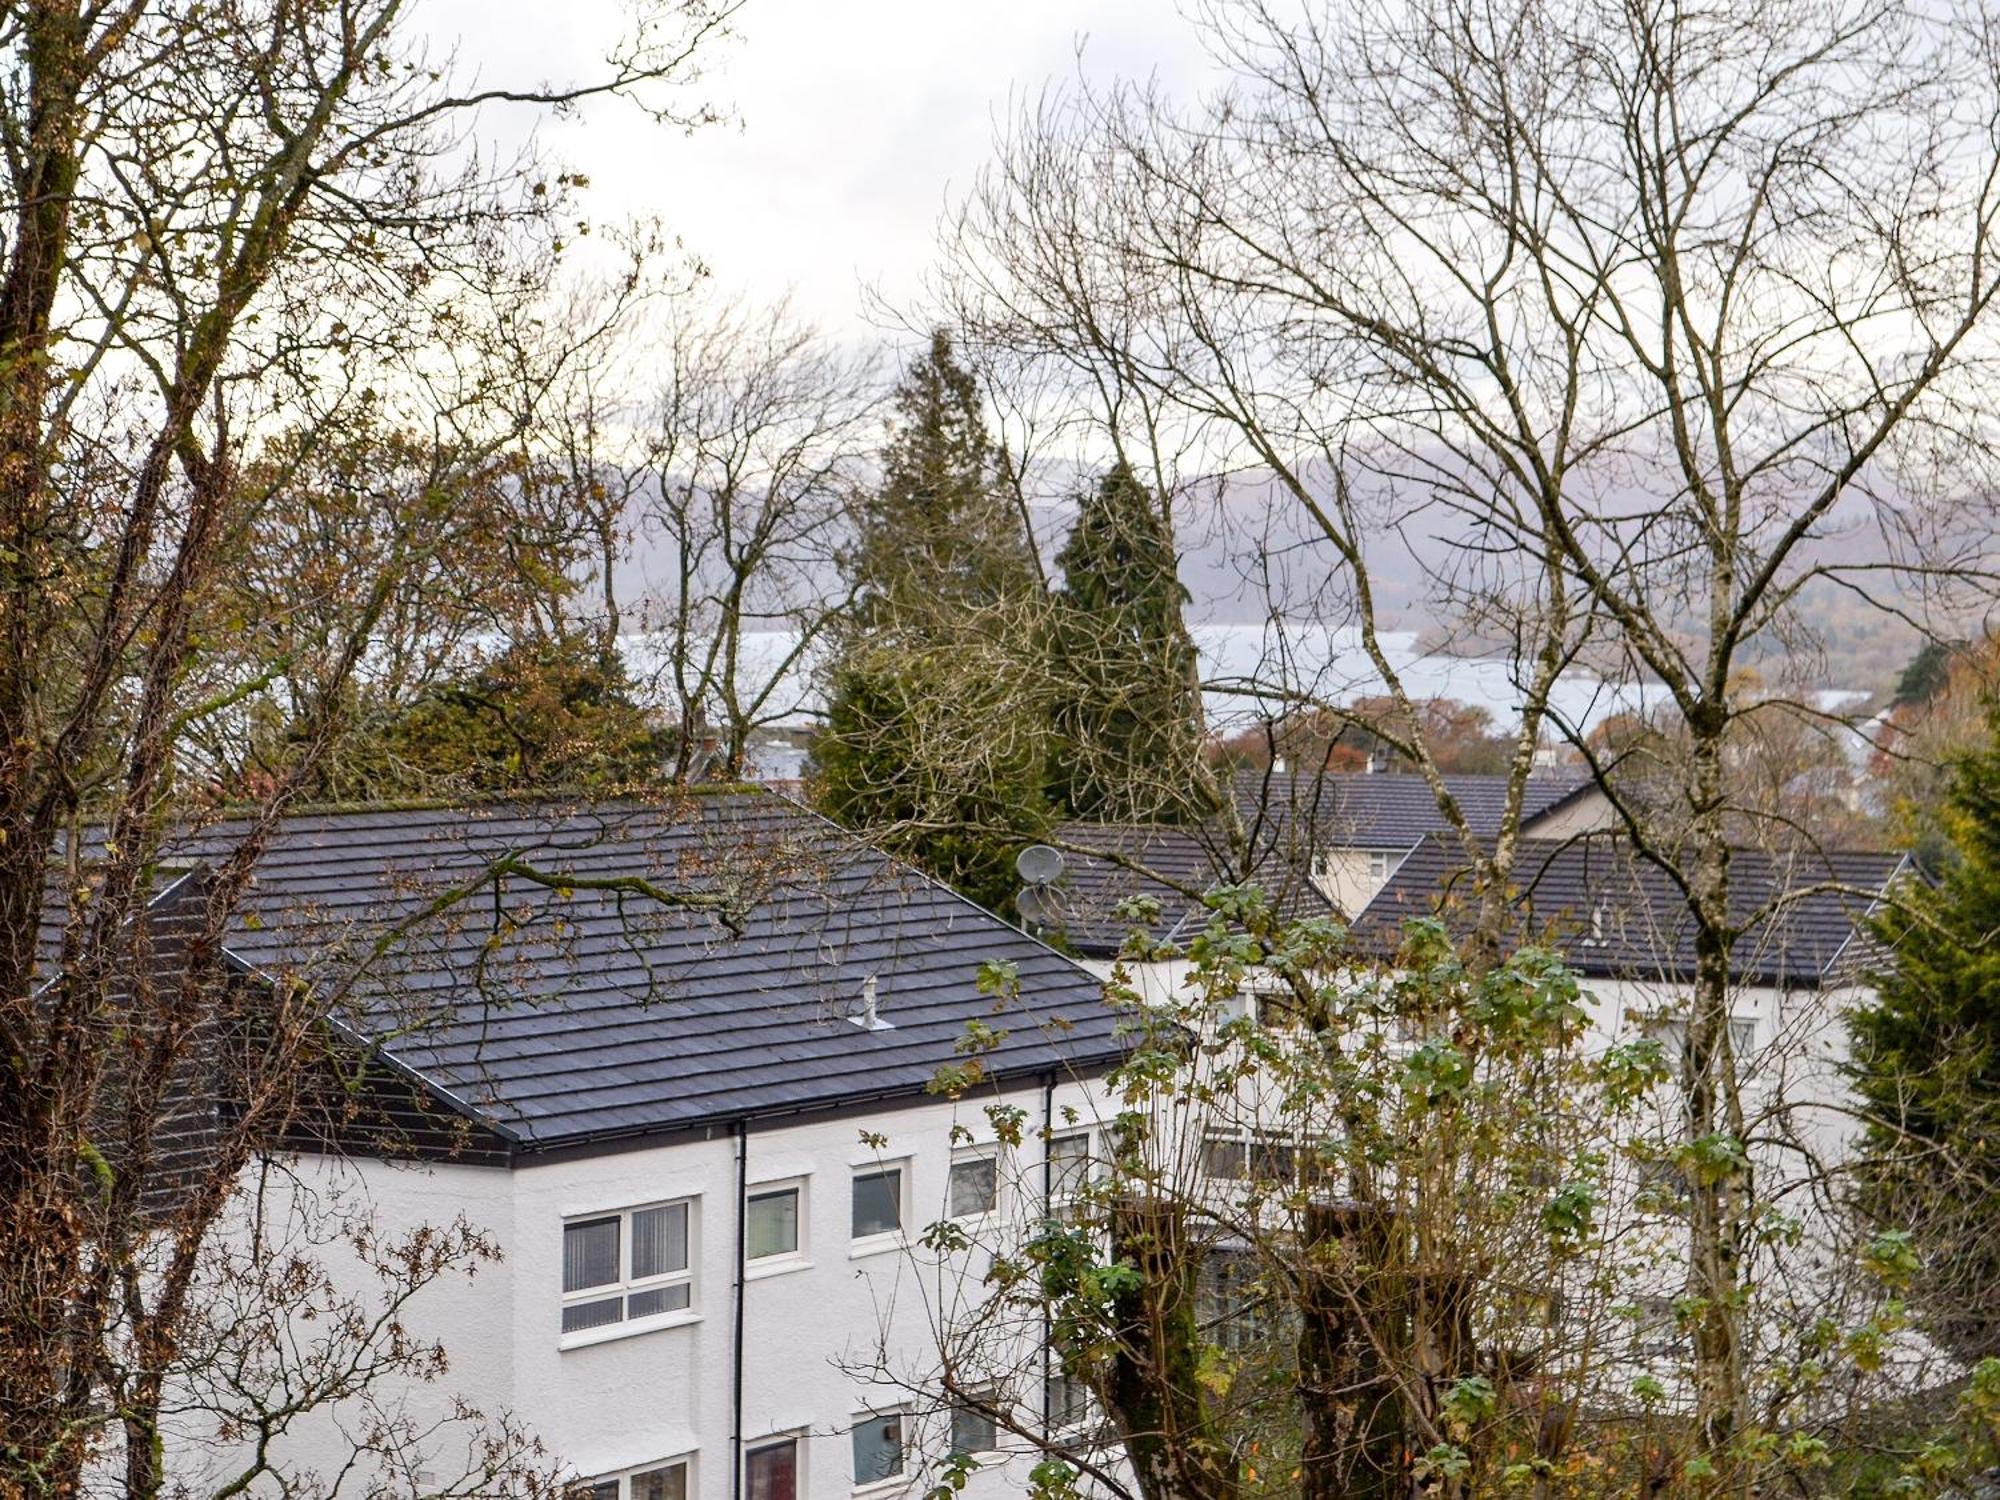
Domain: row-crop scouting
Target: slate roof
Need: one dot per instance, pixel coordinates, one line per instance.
(563, 1015)
(1615, 915)
(1356, 810)
(1288, 818)
(1105, 865)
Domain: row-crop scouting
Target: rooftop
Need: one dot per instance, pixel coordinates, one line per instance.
(560, 1012)
(1289, 818)
(1617, 915)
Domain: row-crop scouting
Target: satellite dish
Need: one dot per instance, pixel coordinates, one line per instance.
(1038, 864)
(1031, 902)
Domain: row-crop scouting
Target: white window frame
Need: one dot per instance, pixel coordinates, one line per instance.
(958, 1159)
(901, 1415)
(794, 1259)
(1058, 1196)
(891, 1239)
(1382, 864)
(627, 1285)
(796, 1441)
(623, 1477)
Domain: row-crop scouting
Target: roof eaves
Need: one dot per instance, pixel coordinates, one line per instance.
(1089, 1063)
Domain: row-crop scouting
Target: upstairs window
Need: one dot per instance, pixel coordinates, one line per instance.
(1069, 1166)
(771, 1223)
(771, 1472)
(878, 1448)
(654, 1482)
(878, 1202)
(974, 1187)
(973, 1431)
(1671, 1033)
(626, 1267)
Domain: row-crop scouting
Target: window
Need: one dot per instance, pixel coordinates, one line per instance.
(655, 1482)
(1226, 1157)
(771, 1224)
(878, 1202)
(973, 1431)
(1656, 1325)
(1273, 1159)
(1662, 1184)
(1065, 1402)
(772, 1471)
(619, 1268)
(1069, 1165)
(1279, 1010)
(1743, 1044)
(1381, 864)
(1671, 1033)
(668, 1482)
(974, 1187)
(1240, 1158)
(1230, 1304)
(878, 1448)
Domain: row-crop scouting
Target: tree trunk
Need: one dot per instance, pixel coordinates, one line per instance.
(1351, 1296)
(1154, 1391)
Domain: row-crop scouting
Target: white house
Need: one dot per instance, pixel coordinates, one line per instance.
(677, 1060)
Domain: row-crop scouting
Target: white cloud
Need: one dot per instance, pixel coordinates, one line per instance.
(858, 119)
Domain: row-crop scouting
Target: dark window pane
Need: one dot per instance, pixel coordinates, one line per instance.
(1066, 1403)
(1069, 1165)
(878, 1202)
(878, 1449)
(659, 1241)
(1224, 1157)
(661, 1299)
(772, 1473)
(773, 1226)
(667, 1483)
(590, 1254)
(581, 1315)
(1273, 1161)
(974, 1186)
(603, 1489)
(972, 1431)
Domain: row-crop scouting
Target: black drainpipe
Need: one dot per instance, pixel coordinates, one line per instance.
(1048, 1187)
(736, 1343)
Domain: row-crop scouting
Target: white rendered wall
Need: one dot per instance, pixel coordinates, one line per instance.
(814, 1329)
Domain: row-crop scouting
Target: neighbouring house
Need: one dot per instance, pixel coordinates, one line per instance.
(1802, 959)
(1315, 845)
(704, 1137)
(1621, 924)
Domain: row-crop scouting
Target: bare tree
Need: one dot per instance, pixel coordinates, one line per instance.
(1672, 322)
(753, 451)
(225, 223)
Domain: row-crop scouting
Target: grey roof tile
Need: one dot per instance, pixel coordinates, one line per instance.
(1288, 819)
(1614, 914)
(566, 1015)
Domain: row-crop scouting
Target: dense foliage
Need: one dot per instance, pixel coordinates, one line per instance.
(1927, 1066)
(1124, 679)
(935, 737)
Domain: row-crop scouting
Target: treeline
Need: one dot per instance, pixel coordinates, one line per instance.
(971, 697)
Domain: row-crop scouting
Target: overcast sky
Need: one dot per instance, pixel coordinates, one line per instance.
(857, 122)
